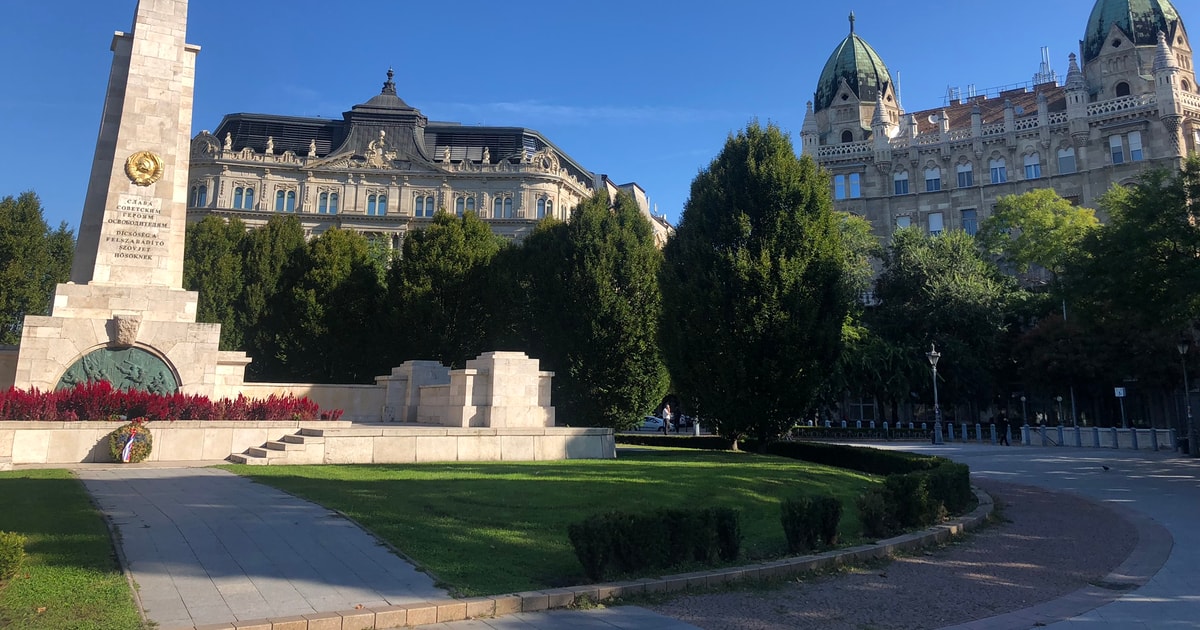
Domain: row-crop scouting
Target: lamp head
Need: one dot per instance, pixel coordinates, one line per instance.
(1183, 345)
(933, 355)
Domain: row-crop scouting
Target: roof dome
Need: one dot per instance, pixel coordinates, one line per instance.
(1141, 20)
(855, 61)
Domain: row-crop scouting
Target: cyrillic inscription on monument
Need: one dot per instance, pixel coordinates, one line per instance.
(135, 230)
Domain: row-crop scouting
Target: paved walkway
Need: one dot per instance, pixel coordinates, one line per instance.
(206, 546)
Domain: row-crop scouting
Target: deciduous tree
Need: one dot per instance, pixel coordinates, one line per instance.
(33, 259)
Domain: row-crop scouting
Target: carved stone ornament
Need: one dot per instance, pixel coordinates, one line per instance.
(125, 330)
(144, 168)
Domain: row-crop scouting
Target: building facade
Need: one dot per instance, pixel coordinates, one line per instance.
(1130, 100)
(385, 169)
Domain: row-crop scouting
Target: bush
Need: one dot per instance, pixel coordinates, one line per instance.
(869, 460)
(810, 522)
(618, 542)
(703, 442)
(908, 502)
(950, 485)
(12, 554)
(140, 447)
(873, 514)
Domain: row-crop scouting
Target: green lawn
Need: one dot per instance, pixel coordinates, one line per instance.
(490, 528)
(70, 574)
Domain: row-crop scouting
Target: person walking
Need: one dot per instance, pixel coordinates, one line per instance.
(1002, 428)
(666, 416)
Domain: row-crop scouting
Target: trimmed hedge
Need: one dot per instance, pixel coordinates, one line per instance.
(12, 554)
(620, 542)
(703, 442)
(808, 522)
(873, 461)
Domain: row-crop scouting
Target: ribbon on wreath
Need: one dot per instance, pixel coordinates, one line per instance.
(127, 452)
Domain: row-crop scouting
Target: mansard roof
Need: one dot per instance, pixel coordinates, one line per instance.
(1140, 20)
(991, 110)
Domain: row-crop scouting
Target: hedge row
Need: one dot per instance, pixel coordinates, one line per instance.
(809, 522)
(872, 461)
(619, 542)
(703, 443)
(917, 499)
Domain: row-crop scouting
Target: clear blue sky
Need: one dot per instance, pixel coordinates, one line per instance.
(642, 91)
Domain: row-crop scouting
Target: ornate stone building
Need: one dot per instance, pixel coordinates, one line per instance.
(384, 169)
(1130, 100)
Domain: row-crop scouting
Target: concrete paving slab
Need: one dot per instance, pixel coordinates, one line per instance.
(206, 546)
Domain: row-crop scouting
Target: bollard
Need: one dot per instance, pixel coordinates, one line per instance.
(1154, 440)
(1116, 444)
(885, 425)
(843, 424)
(872, 425)
(1133, 437)
(965, 437)
(1061, 441)
(910, 426)
(993, 435)
(858, 424)
(979, 432)
(950, 431)
(1173, 438)
(923, 428)
(828, 424)
(1078, 438)
(1096, 437)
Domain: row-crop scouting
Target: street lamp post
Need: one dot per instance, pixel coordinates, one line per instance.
(1058, 399)
(933, 355)
(1024, 413)
(1193, 448)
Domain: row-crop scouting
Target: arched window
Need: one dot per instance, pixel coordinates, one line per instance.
(199, 196)
(549, 208)
(508, 208)
(1033, 166)
(1122, 89)
(425, 206)
(999, 170)
(333, 203)
(901, 182)
(498, 207)
(460, 206)
(248, 200)
(847, 136)
(541, 208)
(291, 201)
(243, 198)
(280, 199)
(966, 175)
(376, 204)
(470, 204)
(1066, 161)
(933, 179)
(237, 198)
(323, 203)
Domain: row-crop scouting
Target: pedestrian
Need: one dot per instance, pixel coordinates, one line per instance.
(666, 416)
(1002, 427)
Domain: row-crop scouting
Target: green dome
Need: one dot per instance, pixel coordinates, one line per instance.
(855, 61)
(1139, 19)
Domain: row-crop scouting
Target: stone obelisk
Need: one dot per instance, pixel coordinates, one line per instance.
(125, 317)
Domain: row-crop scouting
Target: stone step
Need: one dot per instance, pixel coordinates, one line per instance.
(303, 439)
(265, 452)
(284, 446)
(5, 463)
(239, 458)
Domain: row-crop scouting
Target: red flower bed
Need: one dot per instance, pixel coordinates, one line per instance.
(99, 401)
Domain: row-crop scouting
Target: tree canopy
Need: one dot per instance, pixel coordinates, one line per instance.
(33, 259)
(755, 286)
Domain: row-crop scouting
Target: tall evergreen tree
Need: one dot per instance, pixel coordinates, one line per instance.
(594, 305)
(755, 287)
(266, 252)
(438, 290)
(212, 265)
(33, 259)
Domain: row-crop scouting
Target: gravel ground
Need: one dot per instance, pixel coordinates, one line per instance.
(1049, 545)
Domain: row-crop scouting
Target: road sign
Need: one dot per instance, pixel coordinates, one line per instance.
(1119, 392)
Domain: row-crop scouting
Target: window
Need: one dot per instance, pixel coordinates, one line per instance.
(199, 196)
(424, 206)
(460, 206)
(1135, 146)
(323, 203)
(970, 223)
(901, 182)
(1066, 161)
(966, 175)
(998, 170)
(376, 204)
(1122, 89)
(280, 196)
(855, 185)
(291, 202)
(839, 186)
(333, 203)
(470, 204)
(285, 201)
(508, 208)
(933, 179)
(541, 208)
(1116, 148)
(935, 223)
(243, 198)
(549, 208)
(498, 207)
(847, 136)
(903, 222)
(1033, 166)
(847, 186)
